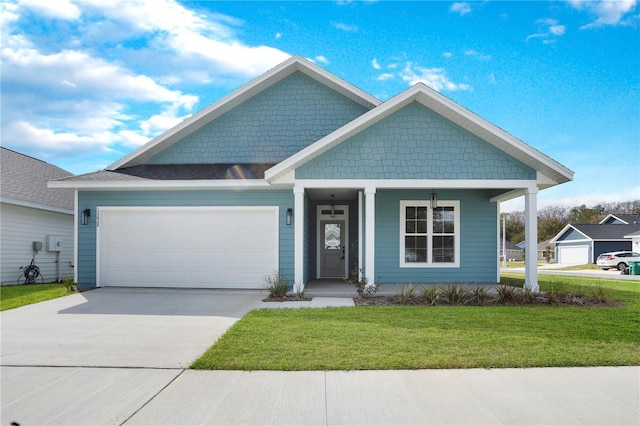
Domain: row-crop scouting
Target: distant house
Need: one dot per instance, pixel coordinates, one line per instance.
(621, 219)
(635, 241)
(543, 249)
(583, 243)
(31, 213)
(512, 252)
(546, 251)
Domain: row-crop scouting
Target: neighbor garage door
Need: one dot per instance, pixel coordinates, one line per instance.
(578, 255)
(208, 247)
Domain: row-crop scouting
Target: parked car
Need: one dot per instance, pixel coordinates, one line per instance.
(617, 259)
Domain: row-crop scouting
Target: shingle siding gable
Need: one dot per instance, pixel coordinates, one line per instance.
(415, 143)
(267, 128)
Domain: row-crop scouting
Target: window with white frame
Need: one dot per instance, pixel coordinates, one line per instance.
(429, 237)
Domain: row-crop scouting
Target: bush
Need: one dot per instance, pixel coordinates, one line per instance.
(455, 295)
(507, 295)
(361, 283)
(430, 294)
(276, 284)
(480, 295)
(408, 294)
(70, 284)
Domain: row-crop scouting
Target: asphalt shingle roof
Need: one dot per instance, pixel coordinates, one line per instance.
(629, 218)
(608, 231)
(25, 179)
(226, 171)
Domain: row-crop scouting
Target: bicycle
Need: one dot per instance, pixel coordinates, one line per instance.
(31, 273)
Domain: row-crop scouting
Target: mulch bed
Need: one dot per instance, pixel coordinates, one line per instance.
(560, 300)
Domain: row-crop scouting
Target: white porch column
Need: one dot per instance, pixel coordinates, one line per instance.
(370, 233)
(531, 239)
(298, 243)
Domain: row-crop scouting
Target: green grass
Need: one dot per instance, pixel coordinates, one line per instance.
(413, 337)
(14, 296)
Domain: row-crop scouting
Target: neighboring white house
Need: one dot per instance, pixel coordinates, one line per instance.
(31, 213)
(635, 241)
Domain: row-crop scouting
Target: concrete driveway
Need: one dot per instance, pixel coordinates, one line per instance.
(121, 327)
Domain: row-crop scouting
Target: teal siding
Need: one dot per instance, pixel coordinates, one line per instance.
(478, 239)
(414, 143)
(267, 128)
(87, 234)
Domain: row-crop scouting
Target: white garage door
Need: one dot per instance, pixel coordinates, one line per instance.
(207, 247)
(578, 255)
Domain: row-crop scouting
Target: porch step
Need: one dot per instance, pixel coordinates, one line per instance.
(316, 302)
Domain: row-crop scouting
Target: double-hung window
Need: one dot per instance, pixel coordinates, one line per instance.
(429, 237)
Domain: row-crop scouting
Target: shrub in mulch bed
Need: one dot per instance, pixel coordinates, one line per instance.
(454, 295)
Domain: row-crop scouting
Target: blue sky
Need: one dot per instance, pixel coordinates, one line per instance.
(86, 82)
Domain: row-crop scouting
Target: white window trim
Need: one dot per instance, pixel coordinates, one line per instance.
(430, 263)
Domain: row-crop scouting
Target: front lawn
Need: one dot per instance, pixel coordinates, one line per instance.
(14, 296)
(413, 337)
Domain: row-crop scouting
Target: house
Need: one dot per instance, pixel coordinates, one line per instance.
(511, 252)
(635, 241)
(301, 172)
(583, 243)
(31, 213)
(546, 251)
(621, 219)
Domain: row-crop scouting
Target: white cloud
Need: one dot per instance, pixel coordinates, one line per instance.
(436, 78)
(548, 30)
(461, 8)
(71, 99)
(61, 9)
(182, 33)
(608, 12)
(447, 54)
(375, 64)
(385, 76)
(278, 35)
(477, 55)
(322, 59)
(344, 27)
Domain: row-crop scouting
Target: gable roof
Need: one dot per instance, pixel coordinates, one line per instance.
(215, 110)
(23, 181)
(600, 231)
(440, 104)
(625, 218)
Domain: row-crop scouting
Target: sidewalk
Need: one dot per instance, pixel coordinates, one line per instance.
(568, 396)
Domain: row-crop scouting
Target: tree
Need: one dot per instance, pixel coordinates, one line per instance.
(583, 214)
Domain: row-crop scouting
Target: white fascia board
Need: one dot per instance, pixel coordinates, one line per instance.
(510, 195)
(32, 205)
(565, 229)
(417, 183)
(609, 216)
(161, 185)
(255, 86)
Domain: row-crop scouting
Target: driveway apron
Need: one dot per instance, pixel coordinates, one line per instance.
(121, 327)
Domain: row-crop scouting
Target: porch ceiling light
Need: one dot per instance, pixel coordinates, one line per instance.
(434, 200)
(333, 207)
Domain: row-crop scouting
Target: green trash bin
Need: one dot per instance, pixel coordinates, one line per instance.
(634, 267)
